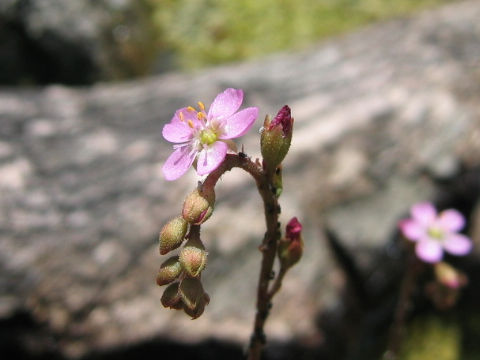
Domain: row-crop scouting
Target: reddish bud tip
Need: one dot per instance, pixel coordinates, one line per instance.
(283, 119)
(294, 228)
(276, 138)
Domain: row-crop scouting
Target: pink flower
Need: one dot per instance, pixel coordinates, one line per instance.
(434, 232)
(202, 136)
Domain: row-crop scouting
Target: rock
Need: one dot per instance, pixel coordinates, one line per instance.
(380, 115)
(72, 42)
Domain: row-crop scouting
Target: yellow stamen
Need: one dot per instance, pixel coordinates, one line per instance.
(191, 109)
(200, 115)
(180, 115)
(190, 123)
(201, 105)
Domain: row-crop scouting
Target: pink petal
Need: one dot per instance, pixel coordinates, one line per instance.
(225, 104)
(178, 130)
(457, 244)
(210, 158)
(429, 251)
(424, 213)
(239, 124)
(178, 163)
(451, 220)
(411, 229)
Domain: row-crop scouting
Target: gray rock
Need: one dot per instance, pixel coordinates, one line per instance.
(71, 42)
(378, 114)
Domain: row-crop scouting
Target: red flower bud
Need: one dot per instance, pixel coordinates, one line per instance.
(275, 139)
(290, 249)
(283, 119)
(294, 228)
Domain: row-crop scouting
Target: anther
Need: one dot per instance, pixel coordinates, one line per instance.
(201, 105)
(181, 116)
(190, 123)
(200, 115)
(191, 109)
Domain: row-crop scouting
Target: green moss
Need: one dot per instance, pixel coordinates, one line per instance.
(204, 32)
(432, 339)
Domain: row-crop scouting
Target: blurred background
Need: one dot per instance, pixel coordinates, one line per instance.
(385, 97)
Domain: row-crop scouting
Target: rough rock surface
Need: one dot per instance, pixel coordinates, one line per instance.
(380, 115)
(71, 42)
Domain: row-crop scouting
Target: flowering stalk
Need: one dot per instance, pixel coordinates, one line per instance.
(429, 234)
(202, 139)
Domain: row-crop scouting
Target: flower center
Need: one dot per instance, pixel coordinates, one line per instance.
(436, 233)
(208, 136)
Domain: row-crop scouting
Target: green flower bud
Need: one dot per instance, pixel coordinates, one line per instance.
(199, 309)
(193, 256)
(191, 291)
(169, 271)
(198, 206)
(276, 138)
(171, 297)
(172, 235)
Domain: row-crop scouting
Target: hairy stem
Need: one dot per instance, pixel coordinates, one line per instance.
(268, 247)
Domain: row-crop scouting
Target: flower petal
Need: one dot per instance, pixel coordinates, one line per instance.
(451, 220)
(178, 163)
(457, 244)
(210, 158)
(179, 130)
(239, 123)
(424, 213)
(411, 229)
(226, 103)
(429, 251)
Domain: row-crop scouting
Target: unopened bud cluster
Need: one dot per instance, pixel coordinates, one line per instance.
(182, 272)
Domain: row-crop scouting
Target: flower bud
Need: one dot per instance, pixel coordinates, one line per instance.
(290, 248)
(191, 291)
(193, 256)
(448, 276)
(171, 297)
(276, 137)
(169, 271)
(199, 309)
(172, 234)
(198, 206)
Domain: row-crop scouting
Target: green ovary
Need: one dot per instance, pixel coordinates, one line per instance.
(208, 137)
(436, 233)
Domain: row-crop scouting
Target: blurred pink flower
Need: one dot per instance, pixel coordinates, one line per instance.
(434, 233)
(203, 136)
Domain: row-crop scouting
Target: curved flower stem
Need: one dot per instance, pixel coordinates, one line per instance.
(268, 247)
